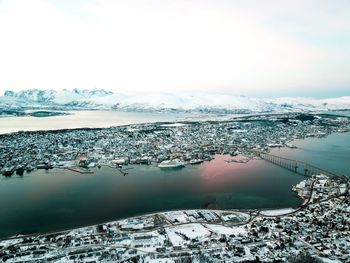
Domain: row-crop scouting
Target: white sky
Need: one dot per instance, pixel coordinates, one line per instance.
(299, 47)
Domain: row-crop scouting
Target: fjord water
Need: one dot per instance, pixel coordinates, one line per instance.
(96, 119)
(46, 201)
(81, 119)
(331, 153)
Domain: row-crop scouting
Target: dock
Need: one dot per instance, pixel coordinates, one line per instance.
(78, 170)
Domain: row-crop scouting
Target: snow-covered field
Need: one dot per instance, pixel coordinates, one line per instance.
(277, 212)
(228, 231)
(180, 234)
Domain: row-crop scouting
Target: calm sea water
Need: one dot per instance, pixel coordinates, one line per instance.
(96, 119)
(331, 153)
(54, 200)
(82, 119)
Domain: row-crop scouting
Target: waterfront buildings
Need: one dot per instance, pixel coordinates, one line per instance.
(156, 142)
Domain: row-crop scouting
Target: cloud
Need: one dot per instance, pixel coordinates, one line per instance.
(163, 45)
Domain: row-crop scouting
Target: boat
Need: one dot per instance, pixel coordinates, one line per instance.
(209, 158)
(20, 170)
(45, 166)
(292, 146)
(196, 161)
(29, 168)
(171, 164)
(8, 170)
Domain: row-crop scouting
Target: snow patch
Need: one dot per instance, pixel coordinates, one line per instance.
(277, 212)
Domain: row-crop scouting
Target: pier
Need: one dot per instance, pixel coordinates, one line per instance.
(295, 166)
(78, 170)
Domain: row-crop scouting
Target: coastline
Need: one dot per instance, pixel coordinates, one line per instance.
(174, 221)
(162, 210)
(181, 117)
(257, 210)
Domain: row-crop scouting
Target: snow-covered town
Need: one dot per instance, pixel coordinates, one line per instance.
(181, 142)
(320, 226)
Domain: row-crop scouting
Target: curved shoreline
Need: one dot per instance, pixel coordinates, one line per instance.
(136, 215)
(147, 214)
(248, 220)
(256, 211)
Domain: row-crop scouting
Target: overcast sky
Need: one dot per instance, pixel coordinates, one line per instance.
(262, 48)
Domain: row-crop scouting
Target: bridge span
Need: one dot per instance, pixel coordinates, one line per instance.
(295, 166)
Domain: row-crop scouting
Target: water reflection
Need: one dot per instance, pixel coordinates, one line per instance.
(219, 172)
(60, 199)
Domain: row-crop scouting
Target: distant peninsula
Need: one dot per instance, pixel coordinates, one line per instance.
(37, 113)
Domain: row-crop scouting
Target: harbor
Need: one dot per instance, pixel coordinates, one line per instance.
(164, 144)
(115, 172)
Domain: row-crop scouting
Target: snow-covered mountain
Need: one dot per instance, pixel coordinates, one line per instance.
(229, 103)
(75, 98)
(192, 102)
(204, 102)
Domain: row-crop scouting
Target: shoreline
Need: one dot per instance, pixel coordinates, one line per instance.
(247, 210)
(196, 119)
(234, 210)
(247, 219)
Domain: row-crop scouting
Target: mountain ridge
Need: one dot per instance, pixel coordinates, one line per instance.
(204, 102)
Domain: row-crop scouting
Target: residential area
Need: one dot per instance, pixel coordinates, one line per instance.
(181, 142)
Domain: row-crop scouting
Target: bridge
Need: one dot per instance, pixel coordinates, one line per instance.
(295, 166)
